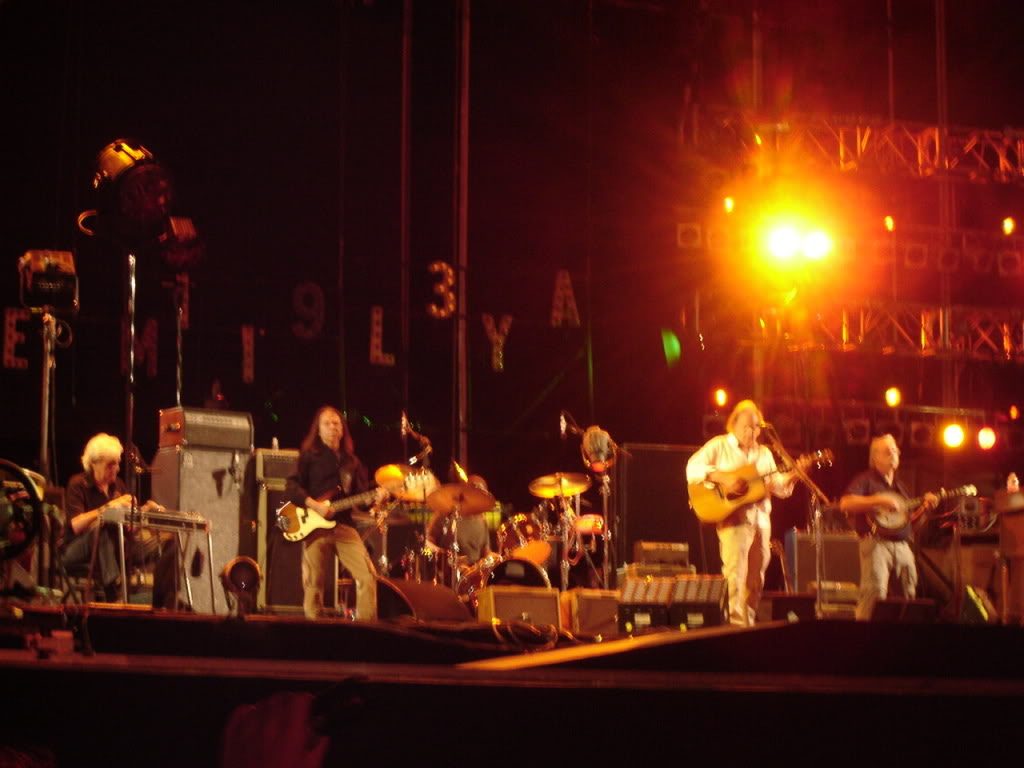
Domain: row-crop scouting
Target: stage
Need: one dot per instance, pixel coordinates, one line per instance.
(143, 688)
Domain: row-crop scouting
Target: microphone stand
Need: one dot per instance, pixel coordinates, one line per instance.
(818, 498)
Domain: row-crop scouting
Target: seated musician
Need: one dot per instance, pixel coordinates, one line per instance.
(471, 530)
(744, 538)
(88, 495)
(883, 552)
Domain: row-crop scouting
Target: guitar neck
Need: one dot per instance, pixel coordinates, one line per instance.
(352, 501)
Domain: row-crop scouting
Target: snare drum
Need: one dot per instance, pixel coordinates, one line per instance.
(521, 537)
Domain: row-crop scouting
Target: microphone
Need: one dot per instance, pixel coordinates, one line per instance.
(562, 424)
(404, 425)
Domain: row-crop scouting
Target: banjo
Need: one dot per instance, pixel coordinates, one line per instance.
(893, 520)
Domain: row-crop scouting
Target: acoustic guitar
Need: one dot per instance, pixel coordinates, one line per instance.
(712, 504)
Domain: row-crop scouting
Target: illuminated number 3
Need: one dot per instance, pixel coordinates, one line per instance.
(443, 288)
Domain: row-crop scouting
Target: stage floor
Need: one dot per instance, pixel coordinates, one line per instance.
(163, 689)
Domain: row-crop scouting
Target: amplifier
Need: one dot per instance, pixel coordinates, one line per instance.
(591, 611)
(669, 552)
(657, 570)
(841, 559)
(644, 603)
(275, 465)
(205, 428)
(534, 605)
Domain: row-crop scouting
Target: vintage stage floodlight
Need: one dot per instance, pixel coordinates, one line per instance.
(135, 192)
(241, 580)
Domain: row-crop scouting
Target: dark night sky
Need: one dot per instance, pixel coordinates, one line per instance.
(280, 125)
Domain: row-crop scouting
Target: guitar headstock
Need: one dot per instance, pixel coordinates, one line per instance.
(817, 459)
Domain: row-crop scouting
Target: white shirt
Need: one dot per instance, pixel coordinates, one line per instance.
(723, 453)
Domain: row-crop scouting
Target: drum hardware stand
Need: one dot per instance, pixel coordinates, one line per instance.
(818, 498)
(453, 553)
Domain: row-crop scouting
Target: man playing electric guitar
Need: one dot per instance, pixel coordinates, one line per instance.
(744, 536)
(872, 497)
(329, 469)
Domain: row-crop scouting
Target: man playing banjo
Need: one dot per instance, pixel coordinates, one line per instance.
(878, 505)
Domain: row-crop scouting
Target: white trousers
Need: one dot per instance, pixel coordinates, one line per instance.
(318, 551)
(745, 550)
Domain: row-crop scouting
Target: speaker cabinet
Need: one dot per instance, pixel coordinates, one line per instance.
(280, 560)
(421, 600)
(210, 483)
(651, 503)
(842, 558)
(534, 605)
(897, 609)
(591, 611)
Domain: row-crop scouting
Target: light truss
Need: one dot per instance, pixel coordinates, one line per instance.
(856, 143)
(904, 329)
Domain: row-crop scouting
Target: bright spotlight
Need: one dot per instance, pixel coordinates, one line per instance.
(890, 224)
(986, 438)
(953, 436)
(893, 397)
(720, 397)
(1014, 413)
(1009, 226)
(817, 245)
(729, 204)
(784, 243)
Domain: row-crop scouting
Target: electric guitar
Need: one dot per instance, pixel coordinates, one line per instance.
(296, 523)
(893, 520)
(713, 505)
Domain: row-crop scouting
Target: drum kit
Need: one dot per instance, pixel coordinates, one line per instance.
(533, 549)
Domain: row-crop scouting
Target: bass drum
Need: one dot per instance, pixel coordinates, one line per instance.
(522, 537)
(494, 571)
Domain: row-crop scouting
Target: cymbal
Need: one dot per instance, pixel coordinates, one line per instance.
(559, 484)
(469, 499)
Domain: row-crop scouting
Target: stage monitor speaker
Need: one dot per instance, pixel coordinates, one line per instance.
(421, 600)
(534, 605)
(209, 482)
(842, 558)
(898, 609)
(649, 494)
(698, 601)
(786, 606)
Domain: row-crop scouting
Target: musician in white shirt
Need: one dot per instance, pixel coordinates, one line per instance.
(744, 537)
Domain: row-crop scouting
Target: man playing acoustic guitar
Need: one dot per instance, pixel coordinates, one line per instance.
(744, 536)
(873, 498)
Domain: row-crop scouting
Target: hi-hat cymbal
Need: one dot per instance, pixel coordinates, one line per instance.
(559, 484)
(469, 499)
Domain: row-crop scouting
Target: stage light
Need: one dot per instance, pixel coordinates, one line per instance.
(720, 397)
(729, 204)
(1009, 226)
(890, 224)
(817, 245)
(893, 397)
(1014, 413)
(953, 435)
(784, 243)
(986, 438)
(857, 431)
(241, 581)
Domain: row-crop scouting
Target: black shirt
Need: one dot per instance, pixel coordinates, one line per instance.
(328, 476)
(83, 495)
(868, 483)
